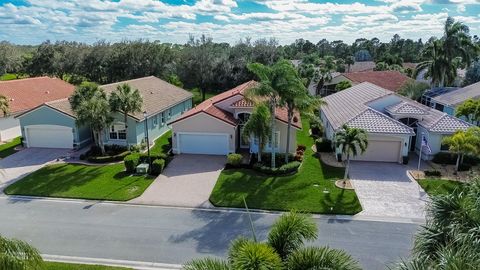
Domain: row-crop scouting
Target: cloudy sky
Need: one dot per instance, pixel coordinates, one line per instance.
(33, 21)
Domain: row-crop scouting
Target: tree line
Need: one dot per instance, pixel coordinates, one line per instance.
(200, 62)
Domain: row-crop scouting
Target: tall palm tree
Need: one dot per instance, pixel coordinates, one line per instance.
(350, 140)
(258, 127)
(4, 105)
(284, 249)
(437, 66)
(91, 107)
(450, 239)
(127, 101)
(413, 89)
(18, 255)
(275, 80)
(349, 61)
(461, 143)
(458, 42)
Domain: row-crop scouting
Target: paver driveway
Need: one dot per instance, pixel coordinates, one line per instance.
(187, 181)
(386, 190)
(18, 165)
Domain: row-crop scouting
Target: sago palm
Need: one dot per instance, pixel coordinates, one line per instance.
(258, 126)
(126, 101)
(350, 141)
(18, 255)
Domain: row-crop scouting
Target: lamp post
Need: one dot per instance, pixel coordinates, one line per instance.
(148, 142)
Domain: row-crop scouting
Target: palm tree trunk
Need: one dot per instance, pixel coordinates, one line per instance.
(100, 142)
(272, 125)
(287, 150)
(347, 168)
(458, 163)
(126, 129)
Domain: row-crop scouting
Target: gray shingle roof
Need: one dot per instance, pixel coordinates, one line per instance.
(62, 105)
(348, 103)
(456, 97)
(405, 108)
(157, 94)
(376, 122)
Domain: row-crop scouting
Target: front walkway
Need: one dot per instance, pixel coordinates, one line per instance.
(18, 165)
(187, 181)
(386, 190)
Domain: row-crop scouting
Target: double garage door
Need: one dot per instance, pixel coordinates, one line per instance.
(49, 136)
(377, 150)
(203, 143)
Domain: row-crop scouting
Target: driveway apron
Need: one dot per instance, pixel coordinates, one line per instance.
(187, 181)
(386, 190)
(20, 164)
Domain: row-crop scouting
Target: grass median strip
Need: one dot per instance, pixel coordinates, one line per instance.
(71, 266)
(439, 186)
(8, 148)
(77, 181)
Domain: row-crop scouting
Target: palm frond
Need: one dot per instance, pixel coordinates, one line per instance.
(312, 258)
(206, 264)
(18, 255)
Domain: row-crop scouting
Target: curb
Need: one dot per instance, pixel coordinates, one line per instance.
(358, 217)
(138, 265)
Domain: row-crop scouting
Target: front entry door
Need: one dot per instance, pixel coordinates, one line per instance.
(244, 140)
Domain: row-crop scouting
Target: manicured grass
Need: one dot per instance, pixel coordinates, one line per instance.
(108, 182)
(70, 266)
(439, 186)
(304, 191)
(8, 148)
(10, 76)
(197, 96)
(161, 144)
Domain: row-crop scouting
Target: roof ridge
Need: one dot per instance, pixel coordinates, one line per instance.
(30, 78)
(131, 80)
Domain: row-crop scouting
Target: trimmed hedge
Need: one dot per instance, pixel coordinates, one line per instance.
(323, 145)
(131, 162)
(291, 167)
(451, 159)
(234, 160)
(157, 166)
(108, 159)
(279, 159)
(433, 173)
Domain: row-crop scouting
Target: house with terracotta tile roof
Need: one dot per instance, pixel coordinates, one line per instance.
(395, 124)
(26, 94)
(214, 127)
(53, 124)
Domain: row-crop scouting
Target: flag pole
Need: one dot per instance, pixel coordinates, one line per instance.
(420, 154)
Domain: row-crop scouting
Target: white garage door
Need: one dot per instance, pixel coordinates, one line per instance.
(207, 144)
(49, 136)
(387, 151)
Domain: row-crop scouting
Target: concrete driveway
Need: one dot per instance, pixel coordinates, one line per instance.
(386, 190)
(187, 181)
(18, 165)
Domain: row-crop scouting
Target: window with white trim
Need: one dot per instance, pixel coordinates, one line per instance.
(155, 121)
(118, 132)
(277, 141)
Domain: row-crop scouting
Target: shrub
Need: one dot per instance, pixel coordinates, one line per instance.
(288, 168)
(298, 157)
(234, 160)
(157, 166)
(301, 147)
(144, 157)
(433, 173)
(451, 159)
(464, 167)
(107, 159)
(279, 158)
(323, 145)
(316, 128)
(131, 162)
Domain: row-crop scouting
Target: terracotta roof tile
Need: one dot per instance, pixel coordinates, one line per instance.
(391, 80)
(26, 94)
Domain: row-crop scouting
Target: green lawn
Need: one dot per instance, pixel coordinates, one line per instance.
(439, 186)
(312, 189)
(10, 76)
(197, 96)
(70, 266)
(108, 182)
(161, 144)
(8, 148)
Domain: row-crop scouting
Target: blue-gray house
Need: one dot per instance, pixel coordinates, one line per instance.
(53, 124)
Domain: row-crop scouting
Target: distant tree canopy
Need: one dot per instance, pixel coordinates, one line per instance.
(201, 62)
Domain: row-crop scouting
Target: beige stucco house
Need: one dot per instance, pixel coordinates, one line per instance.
(214, 127)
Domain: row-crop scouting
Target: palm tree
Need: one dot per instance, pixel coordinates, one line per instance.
(350, 140)
(18, 255)
(461, 143)
(91, 107)
(450, 238)
(349, 61)
(458, 42)
(284, 249)
(127, 101)
(4, 105)
(413, 89)
(258, 127)
(437, 65)
(274, 81)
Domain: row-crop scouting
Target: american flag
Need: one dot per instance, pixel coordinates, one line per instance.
(425, 144)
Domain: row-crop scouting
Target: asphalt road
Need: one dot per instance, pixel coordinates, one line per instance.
(174, 236)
